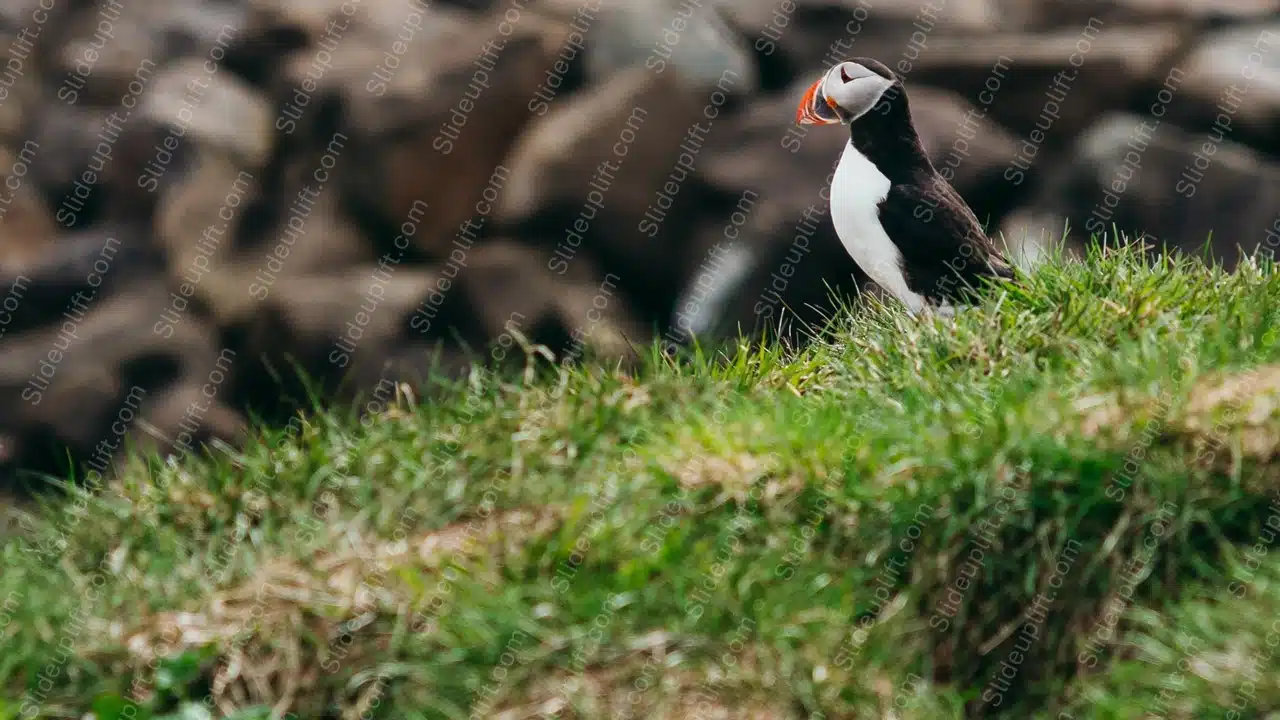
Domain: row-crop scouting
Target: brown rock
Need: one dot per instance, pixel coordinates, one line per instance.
(313, 20)
(410, 133)
(19, 96)
(193, 27)
(1150, 186)
(219, 110)
(26, 226)
(446, 155)
(419, 365)
(1030, 94)
(310, 50)
(105, 46)
(16, 15)
(586, 179)
(805, 41)
(68, 382)
(691, 40)
(1053, 14)
(98, 48)
(184, 417)
(554, 162)
(570, 314)
(95, 262)
(309, 17)
(199, 215)
(328, 323)
(785, 166)
(1218, 91)
(235, 264)
(328, 240)
(589, 170)
(63, 140)
(760, 18)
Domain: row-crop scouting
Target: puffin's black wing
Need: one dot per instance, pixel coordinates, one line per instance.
(943, 246)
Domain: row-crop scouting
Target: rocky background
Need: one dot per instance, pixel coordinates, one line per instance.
(202, 197)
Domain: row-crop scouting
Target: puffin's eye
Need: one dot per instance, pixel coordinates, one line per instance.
(845, 76)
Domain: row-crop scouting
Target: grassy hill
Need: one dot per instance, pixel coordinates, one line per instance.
(1057, 505)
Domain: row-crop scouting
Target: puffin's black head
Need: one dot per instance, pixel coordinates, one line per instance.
(847, 91)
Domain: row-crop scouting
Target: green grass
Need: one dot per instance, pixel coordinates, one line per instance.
(776, 534)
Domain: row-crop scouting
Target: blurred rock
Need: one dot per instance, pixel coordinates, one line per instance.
(1036, 87)
(198, 224)
(1032, 236)
(579, 312)
(203, 28)
(1217, 82)
(1049, 14)
(63, 139)
(468, 101)
(690, 39)
(1172, 188)
(184, 417)
(67, 383)
(16, 15)
(589, 169)
(783, 165)
(805, 37)
(70, 265)
(328, 322)
(106, 47)
(219, 110)
(310, 18)
(308, 233)
(27, 232)
(19, 94)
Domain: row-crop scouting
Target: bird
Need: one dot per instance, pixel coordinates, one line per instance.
(897, 217)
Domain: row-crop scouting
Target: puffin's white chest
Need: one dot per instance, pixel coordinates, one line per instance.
(857, 190)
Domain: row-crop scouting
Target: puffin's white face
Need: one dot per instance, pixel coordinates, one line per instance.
(847, 92)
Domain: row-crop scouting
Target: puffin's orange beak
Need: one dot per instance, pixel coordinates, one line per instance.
(815, 108)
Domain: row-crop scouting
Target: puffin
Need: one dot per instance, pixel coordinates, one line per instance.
(897, 217)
